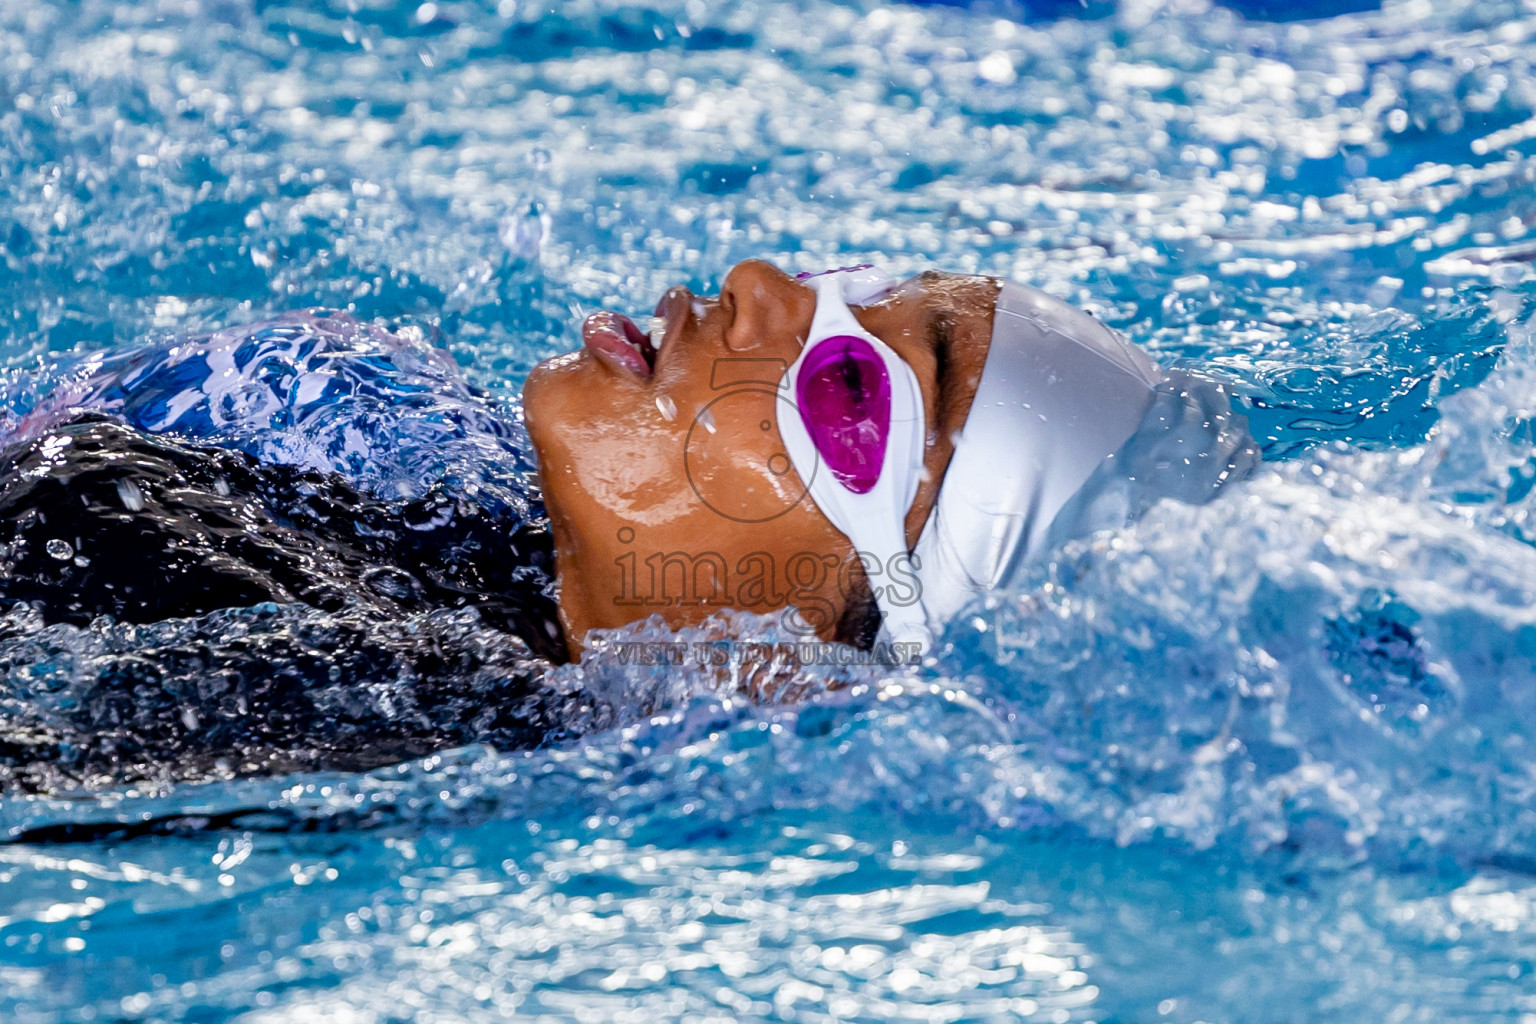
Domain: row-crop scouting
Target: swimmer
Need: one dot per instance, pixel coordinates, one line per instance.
(302, 509)
(861, 455)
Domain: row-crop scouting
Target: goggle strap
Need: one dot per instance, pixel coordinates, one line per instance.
(832, 318)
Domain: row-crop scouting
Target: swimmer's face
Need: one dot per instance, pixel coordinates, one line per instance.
(668, 487)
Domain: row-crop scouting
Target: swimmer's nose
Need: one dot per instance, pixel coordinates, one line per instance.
(764, 305)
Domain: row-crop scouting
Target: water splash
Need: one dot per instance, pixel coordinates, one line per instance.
(388, 411)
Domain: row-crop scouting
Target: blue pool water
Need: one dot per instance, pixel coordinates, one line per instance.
(1272, 759)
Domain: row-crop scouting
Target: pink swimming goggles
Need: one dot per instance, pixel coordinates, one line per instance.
(850, 413)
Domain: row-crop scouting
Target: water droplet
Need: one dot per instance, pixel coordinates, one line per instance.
(129, 494)
(666, 407)
(706, 419)
(524, 231)
(391, 582)
(658, 332)
(997, 68)
(60, 549)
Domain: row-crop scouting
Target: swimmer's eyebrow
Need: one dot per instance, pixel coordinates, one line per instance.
(938, 333)
(939, 340)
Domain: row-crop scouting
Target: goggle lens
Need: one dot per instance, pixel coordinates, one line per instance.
(844, 396)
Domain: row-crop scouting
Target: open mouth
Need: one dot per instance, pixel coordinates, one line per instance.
(618, 341)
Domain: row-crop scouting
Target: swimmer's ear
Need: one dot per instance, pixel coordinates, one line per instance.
(763, 302)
